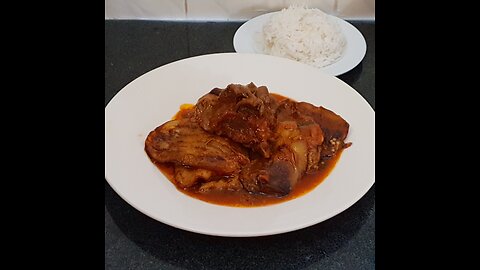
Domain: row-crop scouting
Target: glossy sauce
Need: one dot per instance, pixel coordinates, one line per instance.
(243, 198)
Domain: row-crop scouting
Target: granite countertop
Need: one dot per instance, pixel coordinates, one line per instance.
(135, 241)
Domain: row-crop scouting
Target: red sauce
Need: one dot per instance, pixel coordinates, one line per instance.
(244, 198)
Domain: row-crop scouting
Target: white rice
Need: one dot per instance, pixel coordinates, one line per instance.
(306, 35)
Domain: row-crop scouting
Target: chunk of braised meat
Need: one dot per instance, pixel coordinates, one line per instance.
(245, 114)
(188, 177)
(334, 127)
(184, 143)
(332, 124)
(309, 129)
(205, 180)
(279, 174)
(222, 184)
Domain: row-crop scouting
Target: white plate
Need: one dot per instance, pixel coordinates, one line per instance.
(155, 97)
(247, 39)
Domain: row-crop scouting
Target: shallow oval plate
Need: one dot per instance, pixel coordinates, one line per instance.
(247, 39)
(155, 97)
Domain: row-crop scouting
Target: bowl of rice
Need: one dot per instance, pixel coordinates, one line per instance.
(306, 35)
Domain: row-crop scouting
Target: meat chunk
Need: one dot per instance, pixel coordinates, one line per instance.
(231, 184)
(279, 174)
(310, 130)
(183, 142)
(187, 177)
(333, 125)
(334, 128)
(245, 114)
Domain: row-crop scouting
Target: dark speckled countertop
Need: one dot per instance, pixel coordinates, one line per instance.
(135, 241)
